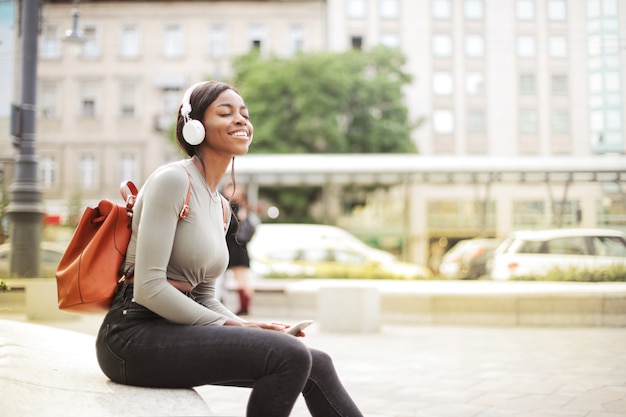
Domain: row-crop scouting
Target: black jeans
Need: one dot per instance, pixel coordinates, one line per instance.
(137, 347)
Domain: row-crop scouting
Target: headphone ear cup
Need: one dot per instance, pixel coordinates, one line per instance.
(193, 132)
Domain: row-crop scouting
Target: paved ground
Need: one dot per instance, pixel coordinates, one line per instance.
(441, 371)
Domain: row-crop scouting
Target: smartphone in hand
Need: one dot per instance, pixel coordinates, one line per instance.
(296, 328)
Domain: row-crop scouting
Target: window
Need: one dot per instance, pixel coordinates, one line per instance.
(594, 45)
(443, 121)
(475, 83)
(611, 82)
(88, 99)
(128, 167)
(172, 41)
(295, 39)
(348, 258)
(527, 85)
(217, 42)
(595, 83)
(390, 40)
(476, 121)
(609, 8)
(609, 246)
(127, 98)
(560, 122)
(357, 9)
(613, 120)
(441, 9)
(286, 255)
(129, 41)
(315, 255)
(525, 9)
(559, 85)
(529, 214)
(48, 99)
(596, 101)
(558, 46)
(597, 121)
(356, 42)
(610, 44)
(473, 9)
(557, 10)
(48, 171)
(91, 47)
(87, 171)
(528, 122)
(51, 42)
(170, 101)
(442, 83)
(256, 37)
(526, 46)
(593, 8)
(474, 46)
(613, 99)
(573, 245)
(442, 45)
(389, 9)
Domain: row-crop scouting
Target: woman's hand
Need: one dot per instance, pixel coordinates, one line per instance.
(278, 327)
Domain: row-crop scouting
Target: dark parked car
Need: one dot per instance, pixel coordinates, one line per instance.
(467, 259)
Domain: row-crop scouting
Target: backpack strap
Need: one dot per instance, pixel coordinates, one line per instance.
(129, 194)
(129, 191)
(184, 212)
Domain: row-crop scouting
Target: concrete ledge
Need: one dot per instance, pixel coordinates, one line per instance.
(489, 303)
(35, 297)
(343, 308)
(479, 302)
(51, 372)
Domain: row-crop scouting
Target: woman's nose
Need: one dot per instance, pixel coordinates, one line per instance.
(239, 119)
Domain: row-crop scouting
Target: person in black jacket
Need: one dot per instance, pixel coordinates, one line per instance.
(242, 226)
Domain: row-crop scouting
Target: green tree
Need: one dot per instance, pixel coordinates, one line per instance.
(349, 102)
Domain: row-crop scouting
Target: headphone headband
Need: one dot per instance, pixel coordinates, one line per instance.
(185, 109)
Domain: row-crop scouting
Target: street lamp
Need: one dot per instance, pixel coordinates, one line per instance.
(74, 35)
(25, 210)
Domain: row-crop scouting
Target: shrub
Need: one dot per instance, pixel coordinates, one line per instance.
(613, 273)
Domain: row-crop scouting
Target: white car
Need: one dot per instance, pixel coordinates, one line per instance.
(307, 250)
(272, 236)
(536, 252)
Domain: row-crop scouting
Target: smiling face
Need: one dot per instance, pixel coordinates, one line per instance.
(227, 124)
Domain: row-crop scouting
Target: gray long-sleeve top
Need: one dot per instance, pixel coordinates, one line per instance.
(191, 249)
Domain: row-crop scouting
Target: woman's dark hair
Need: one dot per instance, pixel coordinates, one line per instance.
(201, 98)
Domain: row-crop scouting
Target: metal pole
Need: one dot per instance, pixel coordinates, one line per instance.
(25, 210)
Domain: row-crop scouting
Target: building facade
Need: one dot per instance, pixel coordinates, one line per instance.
(495, 79)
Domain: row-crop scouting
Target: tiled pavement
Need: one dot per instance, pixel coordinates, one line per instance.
(460, 371)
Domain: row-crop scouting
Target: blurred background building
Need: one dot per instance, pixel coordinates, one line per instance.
(497, 82)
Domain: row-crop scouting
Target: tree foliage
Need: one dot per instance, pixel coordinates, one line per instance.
(348, 102)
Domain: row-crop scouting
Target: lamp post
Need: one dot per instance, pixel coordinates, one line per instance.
(25, 210)
(74, 35)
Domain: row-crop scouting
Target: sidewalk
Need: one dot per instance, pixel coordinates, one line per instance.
(459, 371)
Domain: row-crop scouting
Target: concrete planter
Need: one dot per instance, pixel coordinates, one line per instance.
(35, 297)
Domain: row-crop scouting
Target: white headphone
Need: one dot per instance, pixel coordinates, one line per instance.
(193, 130)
